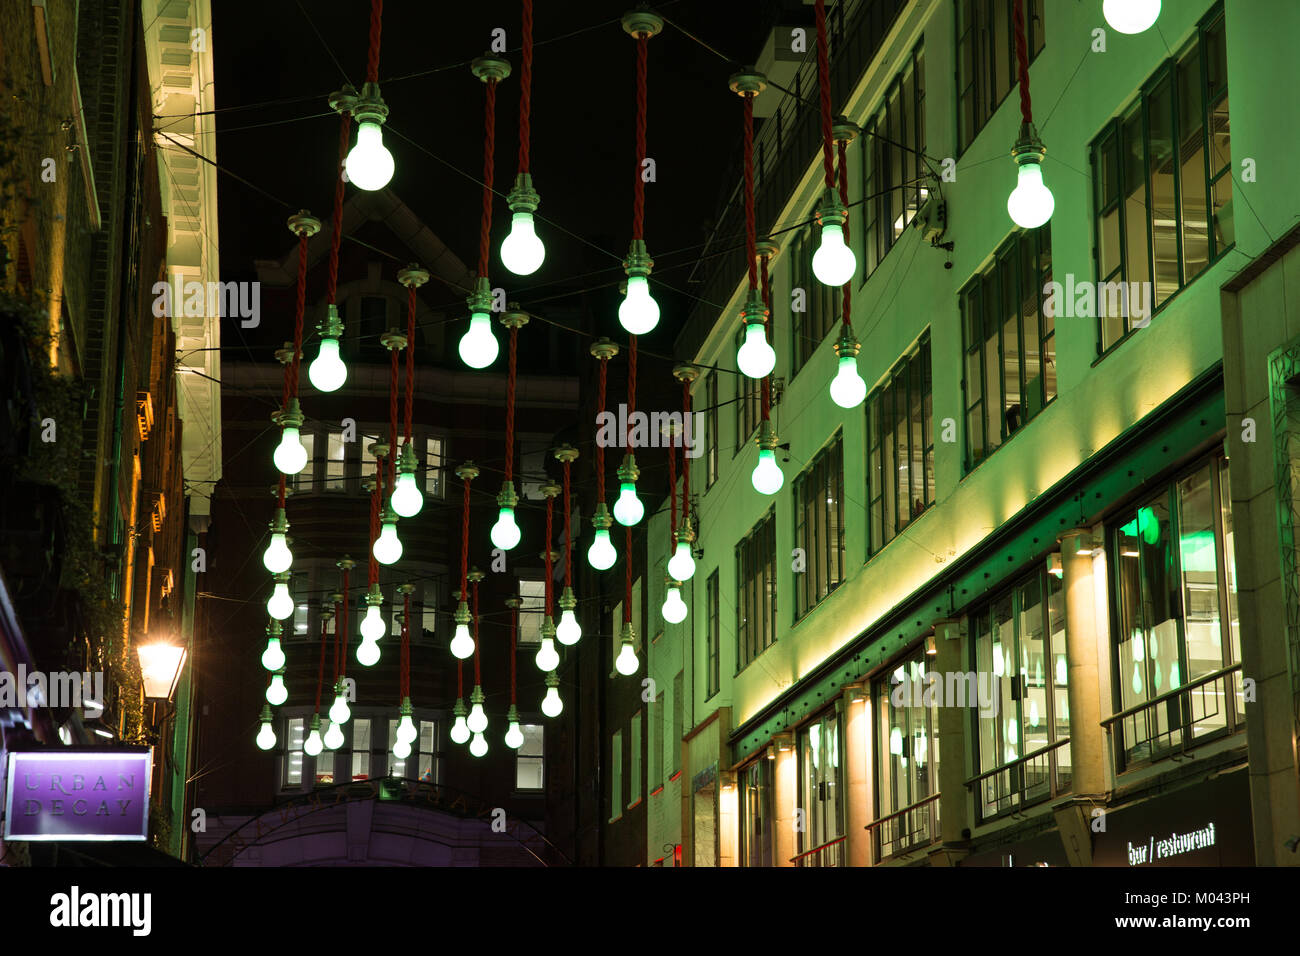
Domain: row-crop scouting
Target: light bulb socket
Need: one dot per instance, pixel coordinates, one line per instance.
(266, 713)
(685, 531)
(459, 709)
(331, 327)
(507, 498)
(279, 524)
(462, 613)
(343, 100)
(290, 416)
(553, 679)
(548, 629)
(847, 346)
(303, 223)
(314, 726)
(374, 597)
(642, 23)
(513, 317)
(369, 106)
(413, 276)
(480, 300)
(1028, 147)
(603, 349)
(393, 339)
(512, 715)
(490, 68)
(475, 575)
(767, 437)
(476, 695)
(405, 710)
(767, 248)
(406, 462)
(601, 520)
(844, 130)
(567, 601)
(566, 454)
(638, 261)
(627, 634)
(831, 211)
(628, 471)
(387, 515)
(467, 471)
(747, 82)
(754, 311)
(685, 373)
(522, 196)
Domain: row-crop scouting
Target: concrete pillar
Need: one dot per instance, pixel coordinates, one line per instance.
(859, 800)
(1087, 739)
(954, 725)
(785, 797)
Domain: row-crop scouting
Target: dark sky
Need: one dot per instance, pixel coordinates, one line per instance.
(583, 126)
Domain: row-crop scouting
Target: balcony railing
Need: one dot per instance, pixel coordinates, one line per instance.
(906, 829)
(830, 853)
(1024, 781)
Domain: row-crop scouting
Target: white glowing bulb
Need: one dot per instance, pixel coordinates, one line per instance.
(407, 500)
(368, 653)
(462, 645)
(1061, 671)
(478, 346)
(601, 555)
(514, 736)
(388, 547)
(847, 387)
(477, 721)
(547, 657)
(290, 457)
(459, 730)
(626, 662)
(478, 746)
(327, 371)
(266, 736)
(340, 713)
(681, 566)
(276, 693)
(372, 625)
(505, 533)
(639, 312)
(406, 729)
(896, 742)
(674, 609)
(334, 737)
(999, 665)
(628, 510)
(313, 745)
(1130, 16)
(277, 557)
(369, 164)
(402, 749)
(521, 251)
(273, 656)
(833, 263)
(551, 703)
(767, 477)
(568, 631)
(755, 357)
(1030, 203)
(280, 604)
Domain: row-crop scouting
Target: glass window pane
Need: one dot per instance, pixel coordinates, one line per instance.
(335, 462)
(1192, 186)
(1160, 169)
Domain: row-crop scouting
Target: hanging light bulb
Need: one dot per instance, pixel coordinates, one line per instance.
(1138, 643)
(266, 735)
(1061, 672)
(459, 728)
(514, 736)
(639, 312)
(626, 663)
(280, 604)
(462, 644)
(505, 533)
(478, 721)
(628, 509)
(896, 742)
(478, 746)
(402, 749)
(767, 477)
(276, 693)
(327, 371)
(833, 263)
(568, 631)
(406, 731)
(552, 706)
(521, 251)
(273, 656)
(601, 555)
(406, 500)
(847, 387)
(478, 346)
(369, 163)
(674, 608)
(313, 745)
(999, 665)
(290, 457)
(373, 626)
(368, 653)
(547, 657)
(334, 737)
(340, 713)
(277, 557)
(1130, 16)
(388, 547)
(755, 356)
(681, 566)
(1030, 203)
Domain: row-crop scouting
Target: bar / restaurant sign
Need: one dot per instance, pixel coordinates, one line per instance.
(100, 793)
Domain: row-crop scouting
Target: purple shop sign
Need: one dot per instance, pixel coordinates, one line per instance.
(96, 794)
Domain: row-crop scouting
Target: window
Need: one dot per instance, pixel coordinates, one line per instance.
(1018, 643)
(532, 611)
(433, 468)
(616, 776)
(301, 613)
(907, 760)
(1009, 343)
(713, 638)
(1175, 611)
(986, 59)
(756, 591)
(822, 305)
(304, 482)
(819, 527)
(704, 816)
(368, 461)
(530, 773)
(656, 780)
(360, 748)
(634, 752)
(757, 847)
(900, 447)
(294, 736)
(396, 765)
(428, 758)
(893, 142)
(1163, 185)
(324, 759)
(675, 745)
(819, 792)
(749, 398)
(711, 431)
(335, 462)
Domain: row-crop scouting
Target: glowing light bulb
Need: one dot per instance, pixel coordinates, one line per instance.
(628, 510)
(290, 457)
(626, 662)
(547, 658)
(388, 547)
(755, 357)
(1061, 672)
(327, 371)
(459, 730)
(551, 703)
(477, 721)
(1130, 16)
(313, 745)
(266, 736)
(369, 164)
(999, 665)
(478, 346)
(402, 749)
(896, 742)
(276, 692)
(340, 713)
(681, 566)
(280, 604)
(639, 312)
(847, 388)
(462, 645)
(368, 653)
(1139, 642)
(372, 625)
(1030, 203)
(521, 251)
(273, 656)
(406, 729)
(407, 500)
(514, 736)
(601, 555)
(767, 477)
(334, 737)
(478, 746)
(674, 609)
(568, 631)
(277, 557)
(833, 263)
(505, 533)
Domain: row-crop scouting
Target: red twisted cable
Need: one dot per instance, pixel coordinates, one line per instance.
(406, 648)
(526, 90)
(510, 403)
(343, 645)
(301, 308)
(464, 543)
(627, 605)
(489, 152)
(376, 20)
(373, 577)
(550, 512)
(410, 361)
(767, 304)
(320, 668)
(824, 82)
(281, 489)
(751, 241)
(514, 628)
(1022, 62)
(345, 120)
(638, 200)
(844, 198)
(337, 627)
(631, 387)
(672, 493)
(600, 449)
(476, 640)
(568, 531)
(392, 423)
(686, 471)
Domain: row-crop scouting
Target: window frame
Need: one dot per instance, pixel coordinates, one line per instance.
(823, 475)
(713, 637)
(985, 65)
(917, 357)
(763, 554)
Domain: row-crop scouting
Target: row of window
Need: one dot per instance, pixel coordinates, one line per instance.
(663, 730)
